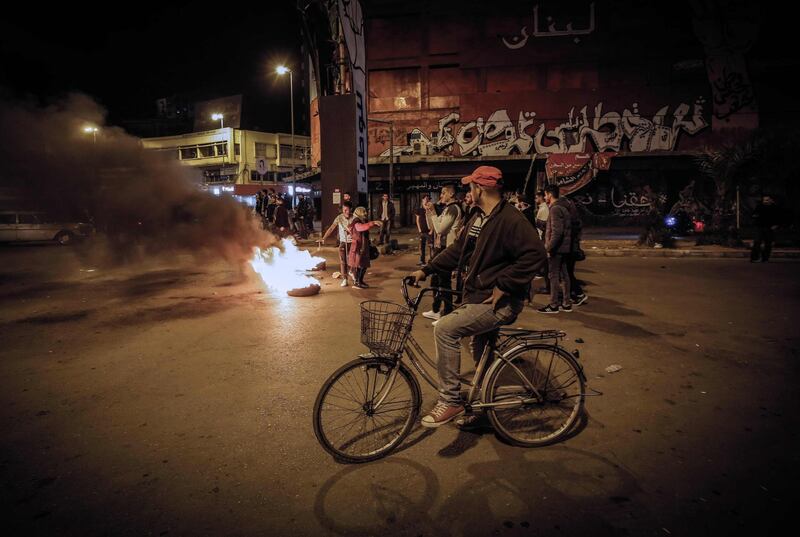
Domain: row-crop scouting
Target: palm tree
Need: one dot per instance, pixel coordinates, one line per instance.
(728, 166)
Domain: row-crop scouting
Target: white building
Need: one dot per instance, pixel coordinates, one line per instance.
(236, 156)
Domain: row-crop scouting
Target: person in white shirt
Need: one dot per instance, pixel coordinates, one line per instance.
(342, 223)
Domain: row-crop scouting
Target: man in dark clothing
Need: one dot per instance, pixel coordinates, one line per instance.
(272, 203)
(500, 255)
(577, 295)
(387, 218)
(281, 218)
(422, 228)
(766, 217)
(558, 243)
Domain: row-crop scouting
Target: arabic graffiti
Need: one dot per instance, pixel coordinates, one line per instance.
(498, 135)
(519, 41)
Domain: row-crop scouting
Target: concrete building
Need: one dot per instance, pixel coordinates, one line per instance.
(610, 100)
(238, 157)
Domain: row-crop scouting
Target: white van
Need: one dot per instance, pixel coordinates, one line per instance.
(36, 226)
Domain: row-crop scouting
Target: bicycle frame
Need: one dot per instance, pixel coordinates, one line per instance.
(412, 347)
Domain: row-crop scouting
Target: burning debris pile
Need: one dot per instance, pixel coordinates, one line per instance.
(283, 270)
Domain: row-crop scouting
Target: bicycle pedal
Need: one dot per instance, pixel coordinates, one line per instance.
(466, 421)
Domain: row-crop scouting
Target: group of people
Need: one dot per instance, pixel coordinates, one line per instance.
(353, 227)
(278, 216)
(553, 218)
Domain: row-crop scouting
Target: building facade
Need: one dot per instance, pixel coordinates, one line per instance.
(611, 100)
(236, 156)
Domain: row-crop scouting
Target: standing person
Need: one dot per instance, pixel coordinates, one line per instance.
(359, 250)
(272, 203)
(557, 242)
(542, 212)
(468, 205)
(526, 208)
(577, 295)
(423, 229)
(342, 223)
(300, 216)
(282, 218)
(500, 255)
(766, 218)
(311, 212)
(259, 202)
(387, 217)
(446, 227)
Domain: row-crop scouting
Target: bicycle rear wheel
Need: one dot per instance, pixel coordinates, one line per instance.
(532, 419)
(346, 421)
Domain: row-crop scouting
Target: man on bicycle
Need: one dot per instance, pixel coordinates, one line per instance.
(500, 254)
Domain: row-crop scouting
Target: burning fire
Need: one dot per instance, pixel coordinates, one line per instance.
(284, 270)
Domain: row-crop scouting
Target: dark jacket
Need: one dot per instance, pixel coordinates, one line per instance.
(281, 216)
(766, 216)
(505, 255)
(576, 226)
(558, 235)
(389, 209)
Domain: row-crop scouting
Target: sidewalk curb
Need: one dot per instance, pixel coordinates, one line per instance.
(666, 252)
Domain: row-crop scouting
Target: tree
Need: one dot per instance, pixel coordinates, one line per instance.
(728, 167)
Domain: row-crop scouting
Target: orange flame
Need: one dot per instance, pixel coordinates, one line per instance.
(283, 269)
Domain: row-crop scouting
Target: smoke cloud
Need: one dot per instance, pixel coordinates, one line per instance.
(142, 201)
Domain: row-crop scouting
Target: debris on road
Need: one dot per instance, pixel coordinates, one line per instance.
(613, 368)
(336, 275)
(578, 340)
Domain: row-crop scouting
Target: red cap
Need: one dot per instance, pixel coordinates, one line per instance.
(488, 176)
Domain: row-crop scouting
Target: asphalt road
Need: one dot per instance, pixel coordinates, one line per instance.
(174, 398)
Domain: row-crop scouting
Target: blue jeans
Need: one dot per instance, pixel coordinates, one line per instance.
(474, 320)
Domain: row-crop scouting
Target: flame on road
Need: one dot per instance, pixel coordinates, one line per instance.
(284, 269)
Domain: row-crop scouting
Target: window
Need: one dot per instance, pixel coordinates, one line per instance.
(272, 151)
(286, 151)
(261, 150)
(8, 218)
(222, 149)
(237, 149)
(28, 219)
(188, 152)
(206, 150)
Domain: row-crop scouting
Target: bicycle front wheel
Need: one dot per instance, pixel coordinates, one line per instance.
(365, 409)
(539, 417)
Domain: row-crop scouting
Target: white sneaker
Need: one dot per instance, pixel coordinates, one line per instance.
(344, 283)
(432, 315)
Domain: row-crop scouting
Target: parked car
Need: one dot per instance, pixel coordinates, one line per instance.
(37, 226)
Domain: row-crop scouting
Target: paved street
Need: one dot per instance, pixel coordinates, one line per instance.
(175, 398)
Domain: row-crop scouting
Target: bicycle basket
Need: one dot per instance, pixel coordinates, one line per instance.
(385, 326)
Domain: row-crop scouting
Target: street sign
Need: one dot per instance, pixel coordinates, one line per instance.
(261, 166)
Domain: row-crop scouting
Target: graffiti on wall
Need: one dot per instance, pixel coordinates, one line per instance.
(518, 41)
(498, 135)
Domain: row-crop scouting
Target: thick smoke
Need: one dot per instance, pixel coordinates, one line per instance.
(141, 201)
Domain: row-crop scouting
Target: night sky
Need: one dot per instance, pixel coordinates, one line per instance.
(143, 51)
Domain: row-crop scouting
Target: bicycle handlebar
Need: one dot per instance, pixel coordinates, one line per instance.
(414, 303)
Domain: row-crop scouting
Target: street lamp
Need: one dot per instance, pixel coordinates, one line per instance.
(282, 70)
(219, 117)
(90, 129)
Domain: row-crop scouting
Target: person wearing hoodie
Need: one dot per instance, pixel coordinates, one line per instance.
(558, 243)
(500, 255)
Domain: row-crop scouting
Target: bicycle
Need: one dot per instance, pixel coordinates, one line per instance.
(368, 406)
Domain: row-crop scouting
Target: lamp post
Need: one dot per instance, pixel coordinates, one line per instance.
(221, 119)
(93, 130)
(282, 70)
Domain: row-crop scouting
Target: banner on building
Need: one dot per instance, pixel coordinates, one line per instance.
(352, 19)
(573, 171)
